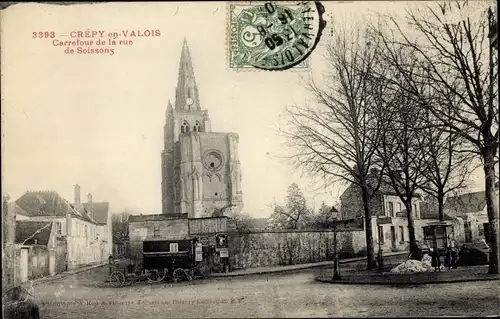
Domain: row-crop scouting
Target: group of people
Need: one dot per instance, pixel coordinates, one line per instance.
(450, 261)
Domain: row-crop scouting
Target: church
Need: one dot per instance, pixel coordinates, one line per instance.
(201, 174)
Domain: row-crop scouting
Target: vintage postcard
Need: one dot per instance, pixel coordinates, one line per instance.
(246, 159)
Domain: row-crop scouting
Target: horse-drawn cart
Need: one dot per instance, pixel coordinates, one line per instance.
(166, 259)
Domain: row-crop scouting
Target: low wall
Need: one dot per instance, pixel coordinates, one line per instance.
(38, 261)
(289, 247)
(61, 255)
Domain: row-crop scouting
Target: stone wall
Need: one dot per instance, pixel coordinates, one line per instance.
(289, 247)
(38, 261)
(61, 254)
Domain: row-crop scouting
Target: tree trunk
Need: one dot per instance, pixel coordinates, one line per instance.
(440, 199)
(371, 263)
(492, 209)
(411, 224)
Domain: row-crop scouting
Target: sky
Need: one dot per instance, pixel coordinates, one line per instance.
(97, 120)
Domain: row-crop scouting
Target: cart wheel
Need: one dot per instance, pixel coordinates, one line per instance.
(157, 275)
(180, 274)
(117, 278)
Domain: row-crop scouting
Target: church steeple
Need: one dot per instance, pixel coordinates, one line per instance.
(186, 93)
(168, 128)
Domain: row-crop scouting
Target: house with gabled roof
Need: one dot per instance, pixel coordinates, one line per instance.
(389, 221)
(389, 216)
(86, 227)
(471, 207)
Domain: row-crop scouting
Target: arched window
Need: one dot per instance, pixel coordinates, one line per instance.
(185, 127)
(198, 127)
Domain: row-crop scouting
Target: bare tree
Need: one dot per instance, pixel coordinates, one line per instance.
(120, 224)
(334, 137)
(462, 71)
(243, 222)
(446, 167)
(295, 213)
(399, 148)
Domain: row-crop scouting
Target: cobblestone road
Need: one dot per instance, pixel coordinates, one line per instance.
(279, 295)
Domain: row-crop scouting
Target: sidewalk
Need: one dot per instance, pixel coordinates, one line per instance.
(64, 274)
(278, 269)
(464, 274)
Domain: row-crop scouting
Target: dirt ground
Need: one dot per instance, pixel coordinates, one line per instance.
(293, 294)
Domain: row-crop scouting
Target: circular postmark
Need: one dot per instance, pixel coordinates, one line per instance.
(274, 35)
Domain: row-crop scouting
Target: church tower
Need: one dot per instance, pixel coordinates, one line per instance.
(201, 174)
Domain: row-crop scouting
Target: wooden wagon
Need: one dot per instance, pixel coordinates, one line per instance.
(175, 260)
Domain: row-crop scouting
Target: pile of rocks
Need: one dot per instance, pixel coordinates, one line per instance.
(415, 266)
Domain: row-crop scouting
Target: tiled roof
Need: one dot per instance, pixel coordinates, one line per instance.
(466, 203)
(431, 211)
(49, 203)
(44, 203)
(385, 187)
(18, 210)
(99, 211)
(25, 229)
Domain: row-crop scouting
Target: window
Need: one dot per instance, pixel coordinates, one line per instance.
(402, 234)
(197, 127)
(174, 247)
(390, 209)
(59, 228)
(86, 231)
(381, 234)
(156, 231)
(399, 208)
(185, 127)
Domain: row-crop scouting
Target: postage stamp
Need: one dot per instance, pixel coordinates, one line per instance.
(273, 35)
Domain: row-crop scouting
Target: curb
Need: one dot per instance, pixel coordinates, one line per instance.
(48, 279)
(404, 283)
(302, 267)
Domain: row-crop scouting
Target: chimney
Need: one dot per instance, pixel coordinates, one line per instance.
(77, 195)
(89, 198)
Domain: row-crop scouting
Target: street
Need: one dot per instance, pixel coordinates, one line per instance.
(293, 294)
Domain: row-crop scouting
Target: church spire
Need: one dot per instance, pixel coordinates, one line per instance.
(186, 93)
(169, 110)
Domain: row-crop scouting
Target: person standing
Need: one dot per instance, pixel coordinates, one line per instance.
(436, 259)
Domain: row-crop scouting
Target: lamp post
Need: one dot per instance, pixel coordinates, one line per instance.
(336, 272)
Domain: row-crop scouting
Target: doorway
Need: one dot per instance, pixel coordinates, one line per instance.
(393, 236)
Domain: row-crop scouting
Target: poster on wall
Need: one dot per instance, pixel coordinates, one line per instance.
(204, 241)
(221, 241)
(198, 253)
(224, 253)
